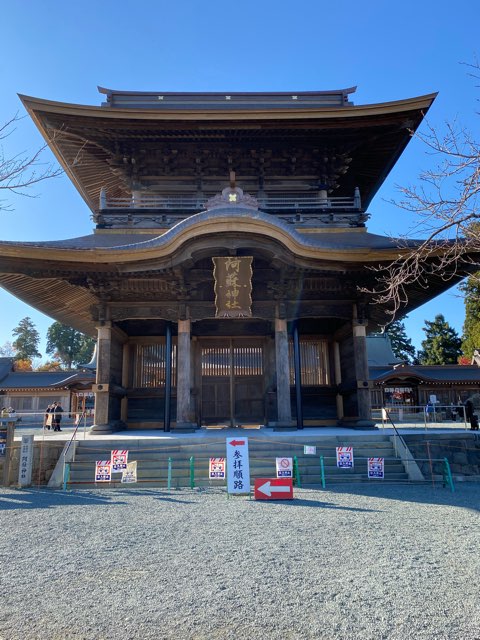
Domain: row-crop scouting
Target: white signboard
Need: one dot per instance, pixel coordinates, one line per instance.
(26, 461)
(238, 466)
(376, 468)
(284, 467)
(130, 473)
(216, 469)
(345, 457)
(119, 460)
(309, 450)
(103, 471)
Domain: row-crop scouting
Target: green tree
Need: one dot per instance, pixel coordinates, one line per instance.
(69, 345)
(402, 345)
(442, 344)
(471, 326)
(26, 341)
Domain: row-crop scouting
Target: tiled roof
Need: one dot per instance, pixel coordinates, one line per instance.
(379, 351)
(5, 367)
(440, 373)
(341, 240)
(43, 379)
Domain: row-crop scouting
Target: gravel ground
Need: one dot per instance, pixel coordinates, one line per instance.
(357, 562)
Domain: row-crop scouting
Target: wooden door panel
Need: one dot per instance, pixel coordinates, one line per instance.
(216, 399)
(249, 399)
(232, 365)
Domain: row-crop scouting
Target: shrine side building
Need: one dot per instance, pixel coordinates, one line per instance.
(225, 277)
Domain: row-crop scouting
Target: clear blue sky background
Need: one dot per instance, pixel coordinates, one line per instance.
(390, 50)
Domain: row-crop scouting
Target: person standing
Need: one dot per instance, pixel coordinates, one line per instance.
(469, 411)
(57, 416)
(47, 419)
(429, 410)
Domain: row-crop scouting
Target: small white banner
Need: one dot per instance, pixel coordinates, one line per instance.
(119, 460)
(130, 473)
(26, 461)
(103, 471)
(284, 467)
(216, 469)
(308, 450)
(376, 468)
(345, 457)
(238, 466)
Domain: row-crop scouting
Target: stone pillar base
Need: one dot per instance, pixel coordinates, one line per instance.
(357, 423)
(183, 427)
(110, 427)
(283, 425)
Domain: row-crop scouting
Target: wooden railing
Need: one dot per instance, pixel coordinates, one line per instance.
(172, 203)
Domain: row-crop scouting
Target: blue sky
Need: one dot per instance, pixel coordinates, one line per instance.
(61, 51)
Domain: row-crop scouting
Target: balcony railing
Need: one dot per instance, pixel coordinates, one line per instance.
(147, 210)
(172, 203)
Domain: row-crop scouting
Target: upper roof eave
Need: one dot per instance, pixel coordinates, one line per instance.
(106, 91)
(420, 103)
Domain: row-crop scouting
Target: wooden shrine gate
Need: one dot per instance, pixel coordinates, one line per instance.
(232, 381)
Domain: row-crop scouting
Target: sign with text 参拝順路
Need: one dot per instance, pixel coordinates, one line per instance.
(238, 466)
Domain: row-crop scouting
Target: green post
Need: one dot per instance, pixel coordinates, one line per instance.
(296, 472)
(169, 474)
(66, 475)
(192, 472)
(322, 471)
(447, 475)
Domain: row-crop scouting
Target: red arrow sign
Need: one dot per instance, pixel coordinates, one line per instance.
(237, 443)
(273, 489)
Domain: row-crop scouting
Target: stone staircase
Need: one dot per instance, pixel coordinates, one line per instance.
(152, 459)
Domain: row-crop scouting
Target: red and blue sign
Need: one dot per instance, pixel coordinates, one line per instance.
(345, 457)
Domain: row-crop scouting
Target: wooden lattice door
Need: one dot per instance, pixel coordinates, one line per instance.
(232, 381)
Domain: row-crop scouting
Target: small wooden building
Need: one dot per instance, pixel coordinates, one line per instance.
(396, 383)
(224, 277)
(30, 392)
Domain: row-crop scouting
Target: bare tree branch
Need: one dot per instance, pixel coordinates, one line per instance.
(22, 171)
(446, 204)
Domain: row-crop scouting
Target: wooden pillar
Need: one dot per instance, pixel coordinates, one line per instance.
(282, 366)
(298, 376)
(125, 381)
(184, 378)
(361, 371)
(168, 375)
(338, 379)
(102, 386)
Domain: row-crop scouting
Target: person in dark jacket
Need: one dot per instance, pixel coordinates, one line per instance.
(57, 416)
(469, 415)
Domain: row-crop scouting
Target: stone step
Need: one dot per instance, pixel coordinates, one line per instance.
(152, 458)
(183, 482)
(328, 456)
(83, 472)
